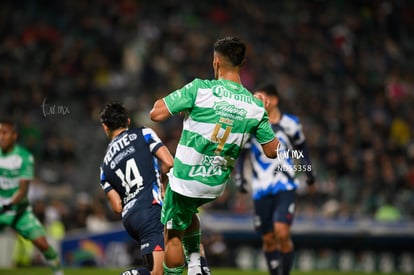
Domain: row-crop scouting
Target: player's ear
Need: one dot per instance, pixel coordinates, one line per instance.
(106, 129)
(129, 122)
(216, 60)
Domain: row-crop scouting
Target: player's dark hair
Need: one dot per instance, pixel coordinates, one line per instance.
(268, 88)
(232, 48)
(114, 116)
(10, 123)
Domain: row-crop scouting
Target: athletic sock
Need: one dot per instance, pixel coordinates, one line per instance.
(173, 270)
(52, 259)
(287, 262)
(205, 269)
(191, 244)
(274, 262)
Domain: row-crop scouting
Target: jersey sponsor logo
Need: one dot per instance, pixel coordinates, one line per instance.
(127, 207)
(220, 91)
(11, 162)
(145, 245)
(131, 195)
(211, 166)
(117, 146)
(205, 171)
(8, 183)
(226, 110)
(128, 151)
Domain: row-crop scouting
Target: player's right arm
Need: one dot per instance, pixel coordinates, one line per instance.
(115, 201)
(176, 102)
(166, 159)
(159, 111)
(270, 148)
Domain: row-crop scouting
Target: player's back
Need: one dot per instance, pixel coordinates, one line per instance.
(222, 117)
(130, 167)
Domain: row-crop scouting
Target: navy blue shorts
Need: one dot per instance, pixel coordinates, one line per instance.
(274, 208)
(144, 225)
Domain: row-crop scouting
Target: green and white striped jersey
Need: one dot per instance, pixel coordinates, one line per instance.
(220, 116)
(14, 166)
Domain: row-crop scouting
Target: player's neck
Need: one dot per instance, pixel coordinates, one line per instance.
(275, 115)
(117, 132)
(7, 149)
(230, 75)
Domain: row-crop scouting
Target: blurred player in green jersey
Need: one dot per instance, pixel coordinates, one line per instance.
(220, 116)
(16, 172)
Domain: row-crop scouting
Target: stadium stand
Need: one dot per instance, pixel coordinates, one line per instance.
(345, 67)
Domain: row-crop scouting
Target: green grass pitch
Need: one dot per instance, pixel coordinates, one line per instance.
(215, 271)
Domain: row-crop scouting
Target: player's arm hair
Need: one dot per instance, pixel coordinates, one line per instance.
(115, 201)
(270, 148)
(159, 111)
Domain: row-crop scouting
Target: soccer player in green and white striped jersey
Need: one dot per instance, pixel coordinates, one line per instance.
(219, 117)
(16, 172)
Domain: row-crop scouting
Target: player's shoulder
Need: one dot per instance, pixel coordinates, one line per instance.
(23, 152)
(203, 82)
(145, 130)
(148, 134)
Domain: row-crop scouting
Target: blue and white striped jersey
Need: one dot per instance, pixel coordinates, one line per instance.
(271, 176)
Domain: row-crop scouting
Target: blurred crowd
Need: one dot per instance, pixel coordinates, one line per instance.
(344, 67)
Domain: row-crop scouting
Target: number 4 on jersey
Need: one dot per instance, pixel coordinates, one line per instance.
(132, 176)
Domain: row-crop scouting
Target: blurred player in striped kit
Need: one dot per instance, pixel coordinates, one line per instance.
(273, 182)
(220, 115)
(16, 172)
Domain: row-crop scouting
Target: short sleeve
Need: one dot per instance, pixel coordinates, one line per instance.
(264, 132)
(151, 138)
(182, 99)
(105, 185)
